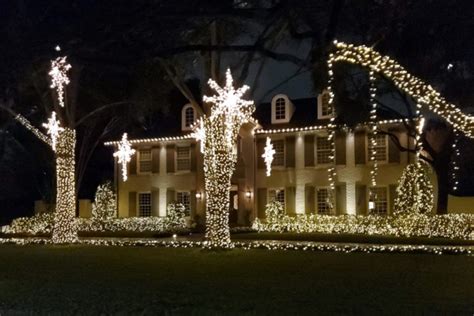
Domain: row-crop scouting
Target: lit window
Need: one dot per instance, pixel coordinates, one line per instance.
(184, 197)
(378, 203)
(183, 158)
(277, 195)
(189, 117)
(280, 109)
(323, 150)
(324, 200)
(144, 204)
(380, 147)
(144, 162)
(279, 156)
(325, 109)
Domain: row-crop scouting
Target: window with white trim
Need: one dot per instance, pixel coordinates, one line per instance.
(277, 195)
(279, 156)
(189, 117)
(280, 109)
(324, 200)
(378, 200)
(144, 204)
(183, 158)
(324, 109)
(184, 197)
(144, 160)
(323, 150)
(380, 147)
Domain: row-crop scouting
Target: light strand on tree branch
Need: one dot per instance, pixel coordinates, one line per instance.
(454, 162)
(331, 129)
(23, 121)
(373, 128)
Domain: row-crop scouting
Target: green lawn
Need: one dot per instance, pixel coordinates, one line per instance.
(111, 280)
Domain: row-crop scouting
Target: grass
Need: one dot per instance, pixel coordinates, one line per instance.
(352, 238)
(114, 280)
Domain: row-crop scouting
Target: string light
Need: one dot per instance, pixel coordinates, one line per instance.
(23, 121)
(373, 128)
(59, 78)
(425, 95)
(124, 155)
(53, 129)
(331, 130)
(153, 140)
(218, 135)
(454, 162)
(267, 155)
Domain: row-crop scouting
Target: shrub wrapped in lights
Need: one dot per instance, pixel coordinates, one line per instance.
(105, 202)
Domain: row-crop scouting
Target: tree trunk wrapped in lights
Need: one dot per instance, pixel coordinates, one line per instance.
(65, 230)
(218, 135)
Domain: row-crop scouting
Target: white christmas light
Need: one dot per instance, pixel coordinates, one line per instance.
(124, 154)
(53, 129)
(268, 154)
(59, 78)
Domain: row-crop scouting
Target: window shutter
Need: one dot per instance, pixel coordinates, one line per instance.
(290, 200)
(192, 149)
(193, 203)
(170, 150)
(132, 204)
(361, 199)
(260, 150)
(155, 160)
(392, 188)
(309, 150)
(340, 199)
(393, 151)
(290, 152)
(261, 202)
(340, 148)
(359, 147)
(170, 196)
(132, 166)
(155, 202)
(309, 199)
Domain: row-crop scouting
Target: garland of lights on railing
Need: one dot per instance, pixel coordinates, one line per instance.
(425, 95)
(218, 133)
(373, 127)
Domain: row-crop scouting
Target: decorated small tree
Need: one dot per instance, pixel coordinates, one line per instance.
(273, 211)
(175, 216)
(218, 135)
(105, 202)
(414, 191)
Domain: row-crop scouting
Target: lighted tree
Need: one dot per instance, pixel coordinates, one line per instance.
(414, 191)
(218, 135)
(105, 203)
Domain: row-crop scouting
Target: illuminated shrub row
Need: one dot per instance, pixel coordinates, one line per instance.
(403, 225)
(43, 224)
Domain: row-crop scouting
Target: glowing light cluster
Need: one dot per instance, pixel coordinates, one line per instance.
(454, 162)
(54, 128)
(65, 228)
(59, 78)
(373, 128)
(425, 95)
(218, 135)
(105, 202)
(124, 154)
(267, 155)
(414, 190)
(399, 225)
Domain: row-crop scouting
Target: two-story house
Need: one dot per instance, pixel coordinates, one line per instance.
(168, 169)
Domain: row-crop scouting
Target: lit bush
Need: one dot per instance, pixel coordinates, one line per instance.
(105, 202)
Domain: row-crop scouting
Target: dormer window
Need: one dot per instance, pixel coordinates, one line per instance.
(282, 109)
(324, 109)
(188, 117)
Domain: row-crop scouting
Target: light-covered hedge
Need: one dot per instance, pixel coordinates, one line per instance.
(406, 225)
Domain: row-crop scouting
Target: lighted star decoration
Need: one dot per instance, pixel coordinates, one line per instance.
(229, 103)
(53, 129)
(268, 154)
(124, 155)
(59, 78)
(199, 132)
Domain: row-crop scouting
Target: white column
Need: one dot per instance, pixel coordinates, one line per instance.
(300, 175)
(163, 181)
(351, 203)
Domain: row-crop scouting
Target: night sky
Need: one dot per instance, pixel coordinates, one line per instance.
(123, 51)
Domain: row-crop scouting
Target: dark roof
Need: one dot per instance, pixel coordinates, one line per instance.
(306, 114)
